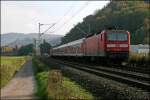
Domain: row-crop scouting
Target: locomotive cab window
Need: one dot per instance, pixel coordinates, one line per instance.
(122, 37)
(112, 36)
(117, 36)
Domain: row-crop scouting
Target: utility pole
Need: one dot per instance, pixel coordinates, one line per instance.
(39, 38)
(38, 42)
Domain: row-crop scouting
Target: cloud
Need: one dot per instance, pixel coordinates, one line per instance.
(24, 16)
(20, 19)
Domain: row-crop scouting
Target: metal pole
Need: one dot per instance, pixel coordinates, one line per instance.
(38, 42)
(39, 38)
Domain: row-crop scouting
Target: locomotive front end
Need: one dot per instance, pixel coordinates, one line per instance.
(117, 44)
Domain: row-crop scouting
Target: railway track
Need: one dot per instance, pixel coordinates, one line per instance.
(133, 79)
(139, 69)
(128, 67)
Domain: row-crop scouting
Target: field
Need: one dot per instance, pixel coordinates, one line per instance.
(9, 66)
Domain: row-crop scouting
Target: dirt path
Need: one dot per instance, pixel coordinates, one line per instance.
(22, 86)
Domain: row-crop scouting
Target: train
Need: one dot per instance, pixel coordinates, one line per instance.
(109, 44)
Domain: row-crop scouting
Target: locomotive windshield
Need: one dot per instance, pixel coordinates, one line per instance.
(117, 37)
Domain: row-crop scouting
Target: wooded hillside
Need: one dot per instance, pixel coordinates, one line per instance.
(133, 16)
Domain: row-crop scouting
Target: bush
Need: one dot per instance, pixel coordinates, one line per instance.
(41, 76)
(38, 65)
(139, 59)
(42, 84)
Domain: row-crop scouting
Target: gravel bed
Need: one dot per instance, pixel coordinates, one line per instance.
(104, 88)
(101, 88)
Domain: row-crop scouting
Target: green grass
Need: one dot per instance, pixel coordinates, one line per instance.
(75, 91)
(9, 66)
(42, 85)
(55, 86)
(67, 90)
(41, 78)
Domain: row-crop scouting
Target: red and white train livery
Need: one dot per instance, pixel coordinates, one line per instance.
(109, 43)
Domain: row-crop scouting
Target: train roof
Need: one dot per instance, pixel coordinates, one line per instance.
(70, 43)
(113, 30)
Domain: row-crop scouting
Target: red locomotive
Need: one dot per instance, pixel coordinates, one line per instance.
(108, 44)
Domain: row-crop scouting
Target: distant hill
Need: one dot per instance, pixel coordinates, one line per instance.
(13, 39)
(131, 15)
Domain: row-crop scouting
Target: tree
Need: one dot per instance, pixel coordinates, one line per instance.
(25, 50)
(128, 15)
(45, 47)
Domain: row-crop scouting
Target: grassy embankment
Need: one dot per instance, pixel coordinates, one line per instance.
(9, 66)
(51, 84)
(139, 59)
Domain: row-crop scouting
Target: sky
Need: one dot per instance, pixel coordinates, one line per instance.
(24, 16)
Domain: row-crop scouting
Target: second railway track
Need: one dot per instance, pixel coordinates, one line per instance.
(133, 79)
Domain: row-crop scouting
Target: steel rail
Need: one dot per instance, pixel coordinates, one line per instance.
(131, 78)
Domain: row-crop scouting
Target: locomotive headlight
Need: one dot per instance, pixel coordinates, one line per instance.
(123, 45)
(111, 45)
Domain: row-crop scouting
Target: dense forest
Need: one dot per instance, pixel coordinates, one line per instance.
(133, 16)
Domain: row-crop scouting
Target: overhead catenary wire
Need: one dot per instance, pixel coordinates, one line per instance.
(69, 9)
(48, 28)
(66, 22)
